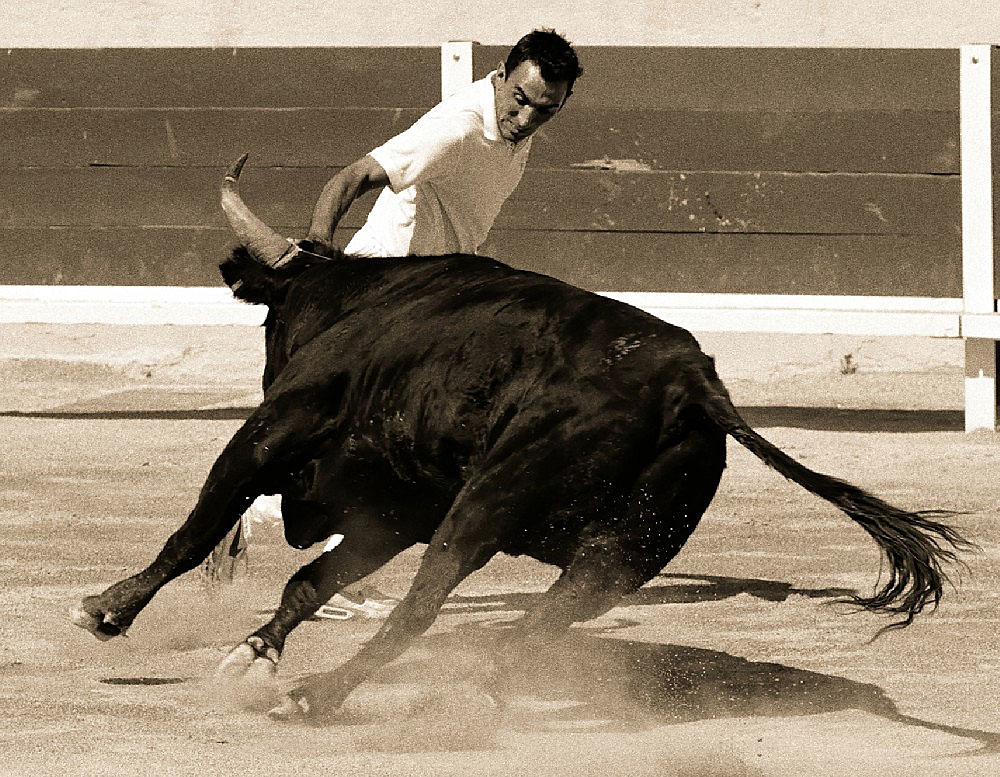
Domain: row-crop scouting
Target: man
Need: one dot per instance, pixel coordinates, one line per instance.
(443, 183)
(447, 176)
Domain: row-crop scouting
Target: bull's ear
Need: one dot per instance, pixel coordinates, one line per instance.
(250, 280)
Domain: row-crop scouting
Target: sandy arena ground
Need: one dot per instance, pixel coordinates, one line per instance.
(733, 663)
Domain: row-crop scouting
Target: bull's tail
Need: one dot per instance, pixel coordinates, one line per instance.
(916, 544)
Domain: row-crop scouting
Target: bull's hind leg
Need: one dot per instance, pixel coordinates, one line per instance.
(280, 435)
(616, 557)
(368, 544)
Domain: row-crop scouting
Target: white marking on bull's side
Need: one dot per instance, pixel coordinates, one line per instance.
(620, 347)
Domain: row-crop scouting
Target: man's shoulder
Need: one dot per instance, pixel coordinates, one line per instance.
(455, 123)
(450, 124)
(469, 102)
(447, 123)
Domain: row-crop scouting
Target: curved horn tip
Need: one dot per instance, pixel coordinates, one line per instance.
(233, 173)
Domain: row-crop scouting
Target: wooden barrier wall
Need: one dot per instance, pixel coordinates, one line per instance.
(813, 171)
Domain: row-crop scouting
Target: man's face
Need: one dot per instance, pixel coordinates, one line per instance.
(525, 100)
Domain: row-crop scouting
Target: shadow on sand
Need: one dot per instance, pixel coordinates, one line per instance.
(144, 414)
(831, 419)
(683, 589)
(814, 418)
(599, 684)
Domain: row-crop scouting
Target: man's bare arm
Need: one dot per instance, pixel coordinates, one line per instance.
(338, 194)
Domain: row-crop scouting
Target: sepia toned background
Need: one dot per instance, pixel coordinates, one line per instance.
(758, 145)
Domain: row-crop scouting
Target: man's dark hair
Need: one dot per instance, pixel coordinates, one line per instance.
(553, 54)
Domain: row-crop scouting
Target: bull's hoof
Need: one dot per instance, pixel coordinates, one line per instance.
(316, 700)
(90, 618)
(250, 660)
(290, 710)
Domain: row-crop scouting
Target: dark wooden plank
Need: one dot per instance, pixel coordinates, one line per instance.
(596, 260)
(762, 264)
(877, 141)
(108, 256)
(736, 202)
(398, 77)
(127, 196)
(546, 199)
(195, 137)
(759, 79)
(119, 256)
(747, 79)
(834, 141)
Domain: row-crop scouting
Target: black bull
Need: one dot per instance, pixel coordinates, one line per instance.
(480, 409)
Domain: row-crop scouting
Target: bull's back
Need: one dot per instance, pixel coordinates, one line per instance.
(440, 352)
(453, 295)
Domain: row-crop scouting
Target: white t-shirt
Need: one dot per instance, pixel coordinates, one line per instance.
(449, 175)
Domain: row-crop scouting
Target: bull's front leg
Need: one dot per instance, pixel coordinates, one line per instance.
(368, 543)
(282, 432)
(470, 535)
(319, 696)
(110, 613)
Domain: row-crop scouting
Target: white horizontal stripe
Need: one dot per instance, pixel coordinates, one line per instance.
(125, 305)
(221, 294)
(115, 294)
(132, 313)
(786, 313)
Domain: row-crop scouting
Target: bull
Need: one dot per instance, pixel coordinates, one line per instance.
(457, 402)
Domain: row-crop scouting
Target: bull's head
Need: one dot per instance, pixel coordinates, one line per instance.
(265, 262)
(264, 265)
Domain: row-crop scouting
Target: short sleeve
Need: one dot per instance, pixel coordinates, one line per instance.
(429, 149)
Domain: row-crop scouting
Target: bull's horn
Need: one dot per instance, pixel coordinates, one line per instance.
(260, 240)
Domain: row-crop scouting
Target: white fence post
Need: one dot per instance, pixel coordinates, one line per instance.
(977, 234)
(456, 66)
